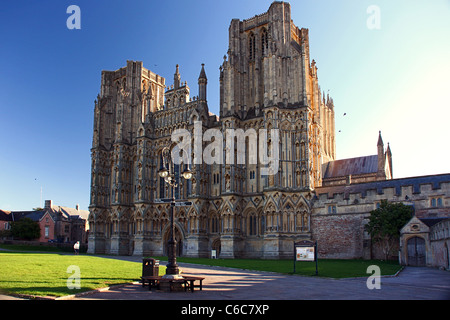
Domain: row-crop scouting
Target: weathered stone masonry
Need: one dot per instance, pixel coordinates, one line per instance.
(267, 81)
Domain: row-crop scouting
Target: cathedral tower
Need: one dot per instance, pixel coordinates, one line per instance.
(267, 63)
(267, 72)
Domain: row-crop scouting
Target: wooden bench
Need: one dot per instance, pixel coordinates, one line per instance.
(190, 283)
(153, 281)
(187, 281)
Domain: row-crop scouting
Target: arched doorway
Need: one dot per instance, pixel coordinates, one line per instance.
(179, 240)
(216, 246)
(416, 252)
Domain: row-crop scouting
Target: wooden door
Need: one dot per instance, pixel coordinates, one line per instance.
(416, 252)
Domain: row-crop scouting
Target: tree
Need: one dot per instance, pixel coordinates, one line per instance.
(386, 222)
(25, 229)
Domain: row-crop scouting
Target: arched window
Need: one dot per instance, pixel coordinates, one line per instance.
(144, 86)
(252, 225)
(176, 173)
(263, 224)
(252, 46)
(214, 227)
(162, 183)
(264, 41)
(188, 184)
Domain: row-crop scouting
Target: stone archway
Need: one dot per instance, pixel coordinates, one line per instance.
(216, 246)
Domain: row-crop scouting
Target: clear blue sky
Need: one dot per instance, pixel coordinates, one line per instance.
(395, 79)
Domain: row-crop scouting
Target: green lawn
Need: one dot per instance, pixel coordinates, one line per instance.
(45, 274)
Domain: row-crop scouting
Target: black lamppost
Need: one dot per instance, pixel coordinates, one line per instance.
(167, 173)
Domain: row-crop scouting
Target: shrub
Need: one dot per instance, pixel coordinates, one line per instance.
(26, 229)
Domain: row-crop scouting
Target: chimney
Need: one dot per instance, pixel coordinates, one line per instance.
(48, 204)
(77, 207)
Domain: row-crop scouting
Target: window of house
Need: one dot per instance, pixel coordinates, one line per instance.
(47, 231)
(332, 208)
(436, 202)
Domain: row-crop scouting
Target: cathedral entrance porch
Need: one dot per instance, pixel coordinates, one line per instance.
(216, 246)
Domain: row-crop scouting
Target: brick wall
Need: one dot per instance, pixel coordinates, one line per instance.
(338, 236)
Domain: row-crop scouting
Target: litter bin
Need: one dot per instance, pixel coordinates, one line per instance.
(150, 267)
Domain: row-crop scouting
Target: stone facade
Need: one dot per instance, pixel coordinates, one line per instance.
(340, 212)
(440, 244)
(267, 81)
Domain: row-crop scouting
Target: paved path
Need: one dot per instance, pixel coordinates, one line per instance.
(233, 284)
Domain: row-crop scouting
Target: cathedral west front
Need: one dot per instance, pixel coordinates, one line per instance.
(268, 81)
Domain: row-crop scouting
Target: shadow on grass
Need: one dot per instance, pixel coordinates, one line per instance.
(39, 289)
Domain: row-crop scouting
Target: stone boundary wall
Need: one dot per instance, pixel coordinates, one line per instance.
(440, 244)
(339, 213)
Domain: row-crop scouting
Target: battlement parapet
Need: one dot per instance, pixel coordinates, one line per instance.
(363, 197)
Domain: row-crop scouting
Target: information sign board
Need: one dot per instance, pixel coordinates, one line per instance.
(305, 251)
